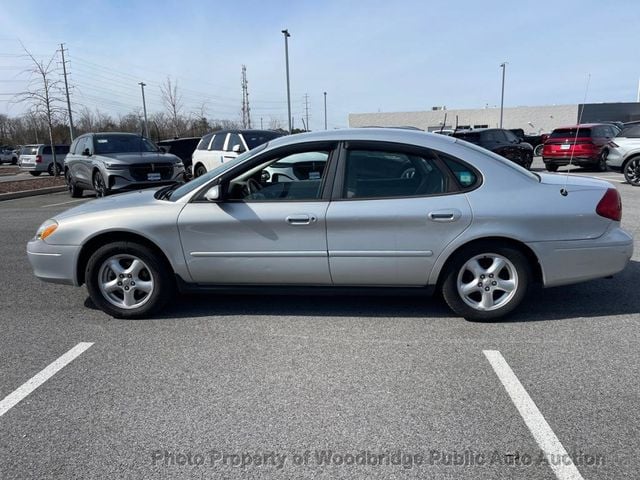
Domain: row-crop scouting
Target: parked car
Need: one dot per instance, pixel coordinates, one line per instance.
(182, 148)
(536, 140)
(114, 162)
(224, 145)
(585, 145)
(624, 153)
(390, 208)
(8, 155)
(500, 141)
(38, 158)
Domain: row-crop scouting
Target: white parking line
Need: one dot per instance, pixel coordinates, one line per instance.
(611, 179)
(63, 203)
(538, 426)
(38, 379)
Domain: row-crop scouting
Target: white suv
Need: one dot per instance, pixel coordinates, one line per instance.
(224, 145)
(624, 153)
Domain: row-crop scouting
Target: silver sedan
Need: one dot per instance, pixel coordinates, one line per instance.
(375, 208)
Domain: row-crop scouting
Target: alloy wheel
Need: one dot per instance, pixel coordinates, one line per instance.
(98, 185)
(125, 281)
(632, 171)
(487, 282)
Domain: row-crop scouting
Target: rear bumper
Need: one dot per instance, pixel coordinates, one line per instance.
(33, 167)
(566, 159)
(53, 263)
(575, 261)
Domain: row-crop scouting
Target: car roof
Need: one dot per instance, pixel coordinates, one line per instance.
(244, 130)
(582, 125)
(392, 135)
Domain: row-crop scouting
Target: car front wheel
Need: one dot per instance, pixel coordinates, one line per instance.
(128, 280)
(486, 281)
(199, 171)
(99, 185)
(632, 171)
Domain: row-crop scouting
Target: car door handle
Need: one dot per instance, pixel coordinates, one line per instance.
(302, 219)
(445, 215)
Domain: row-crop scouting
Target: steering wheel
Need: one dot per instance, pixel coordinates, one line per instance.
(408, 173)
(253, 186)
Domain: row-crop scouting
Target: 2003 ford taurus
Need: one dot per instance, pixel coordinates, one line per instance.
(351, 208)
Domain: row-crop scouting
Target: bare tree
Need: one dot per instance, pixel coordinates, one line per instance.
(43, 95)
(275, 124)
(173, 103)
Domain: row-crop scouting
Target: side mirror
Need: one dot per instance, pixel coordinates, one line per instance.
(238, 149)
(264, 176)
(213, 194)
(86, 152)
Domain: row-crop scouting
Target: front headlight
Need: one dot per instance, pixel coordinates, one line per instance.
(46, 229)
(115, 166)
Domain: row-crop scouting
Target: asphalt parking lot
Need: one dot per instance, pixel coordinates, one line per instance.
(249, 384)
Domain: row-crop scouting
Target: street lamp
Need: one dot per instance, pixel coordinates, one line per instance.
(286, 34)
(504, 68)
(325, 110)
(144, 109)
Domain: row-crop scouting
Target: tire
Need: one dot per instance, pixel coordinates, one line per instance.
(35, 174)
(507, 287)
(528, 161)
(537, 152)
(115, 274)
(601, 166)
(631, 171)
(551, 168)
(200, 170)
(99, 186)
(14, 161)
(74, 190)
(50, 169)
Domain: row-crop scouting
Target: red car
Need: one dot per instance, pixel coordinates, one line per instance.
(585, 145)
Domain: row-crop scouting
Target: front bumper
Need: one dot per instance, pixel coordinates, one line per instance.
(615, 158)
(574, 261)
(122, 181)
(53, 263)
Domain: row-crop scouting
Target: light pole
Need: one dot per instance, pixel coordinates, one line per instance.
(144, 109)
(325, 110)
(504, 68)
(286, 34)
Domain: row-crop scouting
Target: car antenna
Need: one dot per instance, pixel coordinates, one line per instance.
(444, 122)
(456, 128)
(563, 191)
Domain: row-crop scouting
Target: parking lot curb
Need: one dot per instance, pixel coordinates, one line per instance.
(29, 193)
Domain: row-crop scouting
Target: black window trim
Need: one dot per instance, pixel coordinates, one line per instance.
(337, 193)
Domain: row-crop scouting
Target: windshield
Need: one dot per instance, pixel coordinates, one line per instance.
(631, 131)
(119, 143)
(254, 139)
(223, 167)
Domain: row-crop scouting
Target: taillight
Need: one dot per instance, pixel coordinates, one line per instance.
(610, 206)
(38, 158)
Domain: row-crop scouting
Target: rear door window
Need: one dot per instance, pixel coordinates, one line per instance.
(218, 141)
(46, 150)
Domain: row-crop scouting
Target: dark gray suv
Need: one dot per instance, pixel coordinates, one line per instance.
(113, 162)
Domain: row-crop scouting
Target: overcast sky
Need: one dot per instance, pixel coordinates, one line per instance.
(368, 55)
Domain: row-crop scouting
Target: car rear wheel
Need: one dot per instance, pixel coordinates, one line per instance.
(632, 171)
(486, 281)
(74, 190)
(35, 174)
(99, 186)
(128, 280)
(199, 171)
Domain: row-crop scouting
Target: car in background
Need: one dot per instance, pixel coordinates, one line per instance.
(114, 162)
(38, 158)
(585, 145)
(390, 208)
(8, 155)
(224, 145)
(500, 141)
(536, 140)
(624, 153)
(182, 148)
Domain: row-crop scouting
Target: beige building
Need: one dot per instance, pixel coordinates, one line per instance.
(530, 119)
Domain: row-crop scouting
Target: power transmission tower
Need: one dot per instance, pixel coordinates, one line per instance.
(306, 110)
(246, 111)
(66, 88)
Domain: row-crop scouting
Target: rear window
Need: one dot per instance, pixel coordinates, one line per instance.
(632, 131)
(570, 132)
(30, 150)
(258, 138)
(62, 149)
